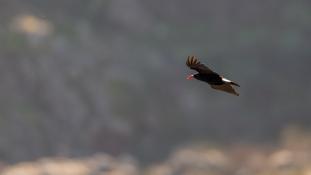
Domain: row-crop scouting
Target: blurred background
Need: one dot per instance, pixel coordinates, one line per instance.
(98, 87)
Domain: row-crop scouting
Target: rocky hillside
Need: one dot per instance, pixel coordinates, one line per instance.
(292, 156)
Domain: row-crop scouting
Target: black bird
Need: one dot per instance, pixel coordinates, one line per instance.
(212, 78)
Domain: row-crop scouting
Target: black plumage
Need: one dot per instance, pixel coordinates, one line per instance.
(212, 78)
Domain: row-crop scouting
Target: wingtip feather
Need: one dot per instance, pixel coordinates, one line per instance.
(192, 60)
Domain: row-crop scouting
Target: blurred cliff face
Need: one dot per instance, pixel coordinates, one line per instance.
(78, 77)
(290, 156)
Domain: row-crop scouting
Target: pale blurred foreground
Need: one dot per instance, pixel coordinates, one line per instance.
(292, 156)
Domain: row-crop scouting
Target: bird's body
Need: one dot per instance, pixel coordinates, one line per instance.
(212, 78)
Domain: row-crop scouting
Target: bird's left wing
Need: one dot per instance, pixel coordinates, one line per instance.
(195, 64)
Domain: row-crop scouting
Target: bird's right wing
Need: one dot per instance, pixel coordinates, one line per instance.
(195, 64)
(226, 87)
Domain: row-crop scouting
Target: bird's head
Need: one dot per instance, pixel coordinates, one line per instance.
(197, 76)
(191, 76)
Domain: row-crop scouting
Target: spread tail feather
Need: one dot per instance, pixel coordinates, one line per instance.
(229, 81)
(235, 84)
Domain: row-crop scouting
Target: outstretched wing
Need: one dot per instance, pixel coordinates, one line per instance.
(195, 64)
(226, 87)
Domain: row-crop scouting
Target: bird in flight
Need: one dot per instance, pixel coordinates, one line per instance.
(205, 74)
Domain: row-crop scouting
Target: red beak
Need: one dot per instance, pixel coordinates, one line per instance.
(190, 77)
